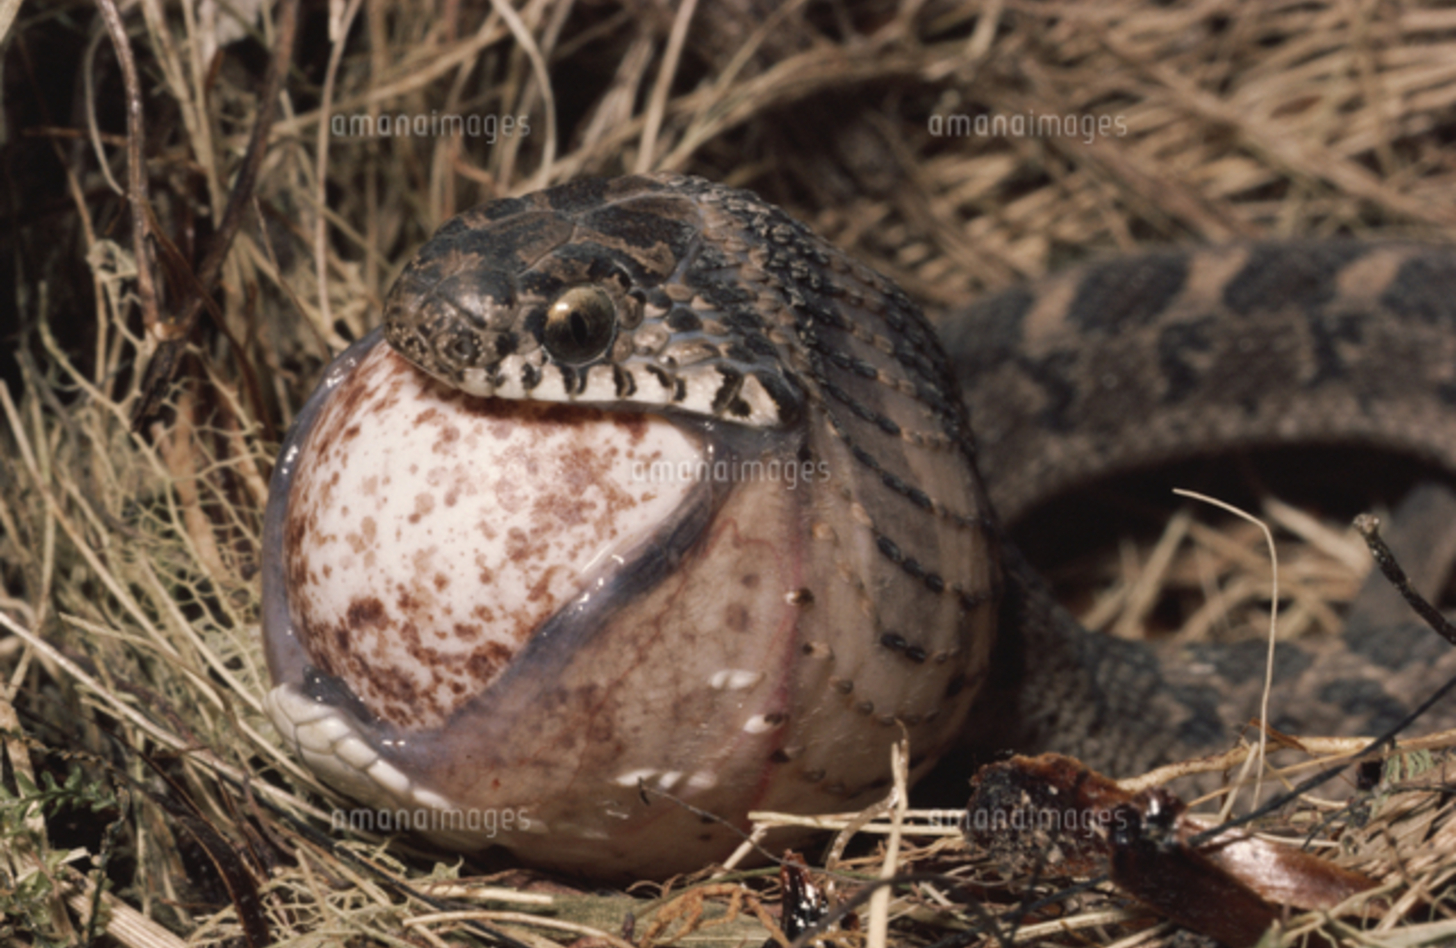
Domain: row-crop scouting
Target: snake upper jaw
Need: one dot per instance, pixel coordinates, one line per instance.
(456, 318)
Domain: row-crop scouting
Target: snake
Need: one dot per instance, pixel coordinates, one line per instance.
(742, 643)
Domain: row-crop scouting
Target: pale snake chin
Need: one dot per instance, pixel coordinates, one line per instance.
(686, 500)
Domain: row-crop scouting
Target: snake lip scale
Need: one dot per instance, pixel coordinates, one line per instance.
(742, 643)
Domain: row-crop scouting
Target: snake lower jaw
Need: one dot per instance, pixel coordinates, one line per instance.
(477, 382)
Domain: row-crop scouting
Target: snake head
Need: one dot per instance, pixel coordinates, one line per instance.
(598, 293)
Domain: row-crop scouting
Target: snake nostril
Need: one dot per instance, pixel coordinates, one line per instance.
(459, 348)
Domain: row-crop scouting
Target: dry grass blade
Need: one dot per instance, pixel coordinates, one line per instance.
(128, 617)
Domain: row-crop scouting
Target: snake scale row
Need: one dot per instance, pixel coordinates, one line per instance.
(763, 647)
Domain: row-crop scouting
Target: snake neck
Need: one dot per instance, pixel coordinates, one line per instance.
(1062, 688)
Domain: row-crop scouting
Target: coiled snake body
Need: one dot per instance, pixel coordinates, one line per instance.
(759, 646)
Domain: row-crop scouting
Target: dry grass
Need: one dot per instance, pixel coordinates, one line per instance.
(130, 601)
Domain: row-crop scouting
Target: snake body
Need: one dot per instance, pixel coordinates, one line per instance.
(766, 646)
(1142, 360)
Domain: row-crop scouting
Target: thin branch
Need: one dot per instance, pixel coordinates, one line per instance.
(136, 189)
(163, 365)
(1368, 527)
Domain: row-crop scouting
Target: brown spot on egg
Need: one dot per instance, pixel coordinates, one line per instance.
(519, 547)
(365, 612)
(736, 617)
(424, 504)
(409, 634)
(348, 401)
(486, 662)
(564, 507)
(542, 589)
(448, 436)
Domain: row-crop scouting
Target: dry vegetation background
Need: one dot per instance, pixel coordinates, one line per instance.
(132, 673)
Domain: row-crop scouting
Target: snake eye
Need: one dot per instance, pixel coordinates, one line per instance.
(580, 325)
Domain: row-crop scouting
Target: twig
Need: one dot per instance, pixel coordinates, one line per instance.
(1368, 526)
(163, 365)
(136, 169)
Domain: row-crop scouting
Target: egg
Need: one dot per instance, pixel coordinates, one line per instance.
(544, 627)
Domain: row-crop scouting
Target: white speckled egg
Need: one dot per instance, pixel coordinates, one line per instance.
(431, 533)
(503, 623)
